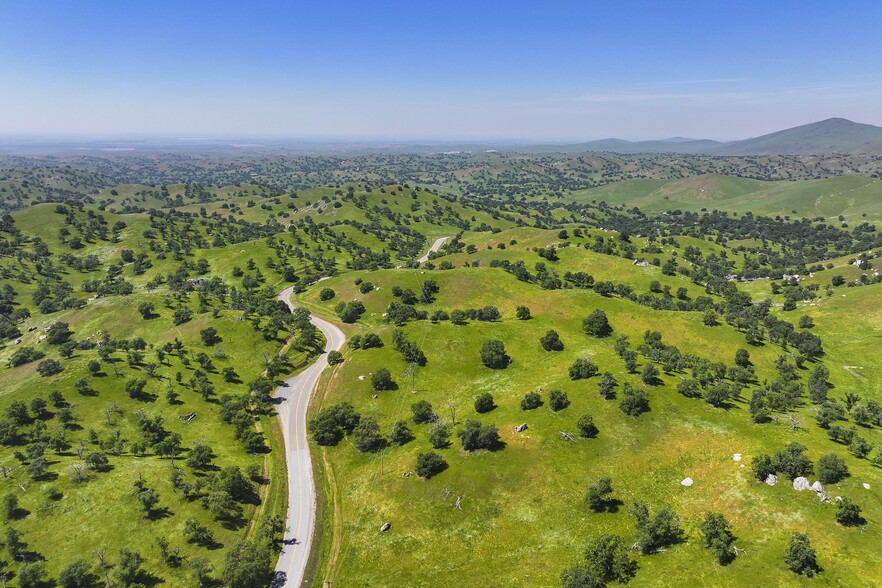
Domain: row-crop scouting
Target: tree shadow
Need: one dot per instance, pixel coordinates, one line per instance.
(611, 505)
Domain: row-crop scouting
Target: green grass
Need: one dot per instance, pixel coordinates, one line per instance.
(523, 519)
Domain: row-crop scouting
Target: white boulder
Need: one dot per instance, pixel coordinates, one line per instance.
(801, 483)
(771, 479)
(686, 482)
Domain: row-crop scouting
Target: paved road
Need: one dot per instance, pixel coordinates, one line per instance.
(295, 397)
(435, 247)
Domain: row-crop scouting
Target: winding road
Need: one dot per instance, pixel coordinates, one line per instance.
(295, 395)
(435, 247)
(294, 398)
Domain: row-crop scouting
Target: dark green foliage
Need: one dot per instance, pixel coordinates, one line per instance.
(334, 357)
(326, 294)
(763, 466)
(76, 575)
(429, 464)
(848, 513)
(32, 575)
(650, 374)
(439, 436)
(597, 324)
(587, 428)
(860, 447)
(400, 433)
(58, 333)
(831, 469)
(484, 403)
(493, 355)
(248, 565)
(583, 368)
(597, 495)
(523, 313)
(531, 401)
(209, 336)
(551, 341)
(606, 560)
(607, 386)
(476, 436)
(349, 312)
(689, 388)
(48, 367)
(382, 380)
(331, 423)
(801, 558)
(792, 461)
(717, 536)
(367, 435)
(182, 315)
(557, 400)
(128, 566)
(655, 532)
(634, 401)
(422, 412)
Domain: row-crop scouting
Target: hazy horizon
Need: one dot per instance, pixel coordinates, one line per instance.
(457, 72)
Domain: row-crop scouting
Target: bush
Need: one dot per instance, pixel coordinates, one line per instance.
(523, 313)
(181, 316)
(597, 495)
(597, 325)
(531, 401)
(484, 403)
(763, 466)
(718, 537)
(422, 412)
(334, 357)
(48, 367)
(848, 513)
(429, 464)
(801, 557)
(587, 428)
(606, 560)
(557, 400)
(382, 380)
(350, 312)
(476, 436)
(493, 355)
(634, 401)
(326, 294)
(582, 369)
(792, 461)
(367, 435)
(401, 433)
(655, 532)
(331, 423)
(439, 436)
(551, 341)
(831, 469)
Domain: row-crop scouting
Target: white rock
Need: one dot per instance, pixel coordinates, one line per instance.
(736, 457)
(839, 498)
(817, 487)
(686, 482)
(361, 377)
(801, 483)
(866, 486)
(771, 479)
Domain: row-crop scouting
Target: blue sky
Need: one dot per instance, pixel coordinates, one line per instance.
(437, 70)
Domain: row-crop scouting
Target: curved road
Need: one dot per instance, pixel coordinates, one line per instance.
(435, 247)
(295, 395)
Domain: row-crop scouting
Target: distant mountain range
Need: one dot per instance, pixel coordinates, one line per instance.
(834, 135)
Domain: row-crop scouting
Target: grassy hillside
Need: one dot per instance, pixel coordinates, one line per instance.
(523, 517)
(854, 197)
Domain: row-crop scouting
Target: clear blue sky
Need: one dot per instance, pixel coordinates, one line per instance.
(452, 69)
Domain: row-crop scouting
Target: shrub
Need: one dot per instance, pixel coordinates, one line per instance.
(484, 403)
(557, 400)
(582, 369)
(429, 464)
(597, 325)
(531, 401)
(493, 355)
